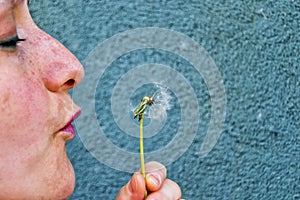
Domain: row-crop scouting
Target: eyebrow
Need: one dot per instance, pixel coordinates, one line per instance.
(11, 2)
(4, 4)
(20, 1)
(17, 1)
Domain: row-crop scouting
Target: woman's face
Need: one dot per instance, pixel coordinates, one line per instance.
(35, 108)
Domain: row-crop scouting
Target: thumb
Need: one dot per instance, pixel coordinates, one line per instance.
(134, 189)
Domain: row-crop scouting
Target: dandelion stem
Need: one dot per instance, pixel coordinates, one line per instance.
(141, 118)
(139, 112)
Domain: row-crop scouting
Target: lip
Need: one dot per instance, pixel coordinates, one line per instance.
(68, 132)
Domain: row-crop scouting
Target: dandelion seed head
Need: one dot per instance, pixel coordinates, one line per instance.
(156, 110)
(162, 98)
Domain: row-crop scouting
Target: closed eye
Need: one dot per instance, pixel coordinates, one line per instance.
(10, 43)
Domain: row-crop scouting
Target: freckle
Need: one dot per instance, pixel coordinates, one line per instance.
(4, 102)
(4, 98)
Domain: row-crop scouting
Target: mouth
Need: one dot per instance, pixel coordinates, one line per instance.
(68, 132)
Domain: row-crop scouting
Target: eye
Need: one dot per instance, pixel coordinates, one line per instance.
(10, 43)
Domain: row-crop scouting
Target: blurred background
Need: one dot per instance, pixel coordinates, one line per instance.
(255, 46)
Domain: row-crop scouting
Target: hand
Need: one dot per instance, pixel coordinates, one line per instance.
(158, 187)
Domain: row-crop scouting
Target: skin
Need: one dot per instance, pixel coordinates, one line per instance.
(34, 104)
(35, 77)
(158, 186)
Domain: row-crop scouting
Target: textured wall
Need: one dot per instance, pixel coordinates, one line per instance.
(255, 45)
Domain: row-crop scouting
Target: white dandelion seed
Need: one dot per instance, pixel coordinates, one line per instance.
(162, 98)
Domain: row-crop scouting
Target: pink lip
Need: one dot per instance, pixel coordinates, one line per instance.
(68, 131)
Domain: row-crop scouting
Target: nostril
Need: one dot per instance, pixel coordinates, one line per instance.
(70, 83)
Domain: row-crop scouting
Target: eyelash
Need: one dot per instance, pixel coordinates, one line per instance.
(11, 43)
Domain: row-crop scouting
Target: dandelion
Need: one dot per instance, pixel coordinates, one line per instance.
(160, 103)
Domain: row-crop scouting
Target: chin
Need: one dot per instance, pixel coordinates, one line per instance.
(62, 175)
(67, 184)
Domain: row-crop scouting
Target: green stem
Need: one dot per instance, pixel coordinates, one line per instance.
(142, 151)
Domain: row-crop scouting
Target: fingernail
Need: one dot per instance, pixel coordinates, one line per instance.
(153, 180)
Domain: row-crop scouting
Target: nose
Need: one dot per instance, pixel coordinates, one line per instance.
(61, 70)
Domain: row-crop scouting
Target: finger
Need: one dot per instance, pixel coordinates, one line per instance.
(134, 189)
(155, 175)
(169, 191)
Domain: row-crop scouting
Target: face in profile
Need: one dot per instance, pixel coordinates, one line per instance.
(36, 72)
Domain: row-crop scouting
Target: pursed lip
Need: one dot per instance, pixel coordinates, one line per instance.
(68, 132)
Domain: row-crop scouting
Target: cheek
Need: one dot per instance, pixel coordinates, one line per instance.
(24, 135)
(23, 108)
